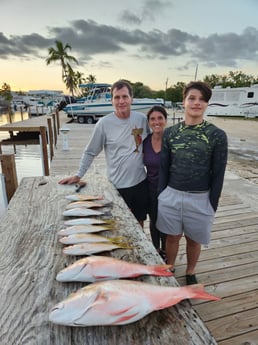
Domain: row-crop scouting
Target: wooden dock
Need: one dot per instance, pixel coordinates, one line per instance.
(228, 268)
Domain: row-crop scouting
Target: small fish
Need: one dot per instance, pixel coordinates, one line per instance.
(92, 248)
(88, 238)
(78, 197)
(98, 268)
(82, 229)
(84, 204)
(81, 212)
(87, 221)
(120, 302)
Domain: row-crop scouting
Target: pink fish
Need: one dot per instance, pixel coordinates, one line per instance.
(98, 268)
(119, 302)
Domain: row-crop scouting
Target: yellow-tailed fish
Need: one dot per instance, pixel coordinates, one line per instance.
(88, 221)
(78, 197)
(119, 302)
(81, 212)
(84, 204)
(88, 238)
(97, 268)
(83, 229)
(92, 248)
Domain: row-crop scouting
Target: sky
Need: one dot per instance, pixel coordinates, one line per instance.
(158, 43)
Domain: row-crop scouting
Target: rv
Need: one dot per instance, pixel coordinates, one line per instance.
(239, 101)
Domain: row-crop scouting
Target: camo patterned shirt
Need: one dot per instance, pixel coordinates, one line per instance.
(194, 158)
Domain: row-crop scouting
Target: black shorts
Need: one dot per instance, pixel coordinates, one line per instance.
(136, 198)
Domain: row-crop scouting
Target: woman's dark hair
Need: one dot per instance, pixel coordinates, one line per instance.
(120, 84)
(158, 108)
(204, 88)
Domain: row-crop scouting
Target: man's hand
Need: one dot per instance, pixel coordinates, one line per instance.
(70, 180)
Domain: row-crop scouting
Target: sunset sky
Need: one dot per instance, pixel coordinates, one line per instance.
(148, 41)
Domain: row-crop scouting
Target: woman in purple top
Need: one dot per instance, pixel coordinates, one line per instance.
(157, 119)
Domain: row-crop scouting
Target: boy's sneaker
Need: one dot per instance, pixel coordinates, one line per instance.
(191, 279)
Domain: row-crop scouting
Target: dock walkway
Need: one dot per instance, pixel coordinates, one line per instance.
(228, 267)
(31, 256)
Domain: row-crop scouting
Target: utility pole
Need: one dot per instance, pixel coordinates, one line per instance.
(196, 71)
(166, 86)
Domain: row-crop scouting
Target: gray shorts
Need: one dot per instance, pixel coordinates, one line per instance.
(185, 212)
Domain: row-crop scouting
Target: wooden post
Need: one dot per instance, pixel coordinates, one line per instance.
(57, 120)
(50, 139)
(54, 125)
(44, 149)
(10, 175)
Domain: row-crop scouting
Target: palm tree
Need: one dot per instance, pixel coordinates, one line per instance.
(6, 94)
(91, 79)
(60, 54)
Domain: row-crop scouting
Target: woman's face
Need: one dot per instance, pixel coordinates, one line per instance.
(157, 122)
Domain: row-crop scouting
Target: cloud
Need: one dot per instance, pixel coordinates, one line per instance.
(89, 40)
(148, 12)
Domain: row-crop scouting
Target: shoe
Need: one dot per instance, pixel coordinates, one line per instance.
(191, 279)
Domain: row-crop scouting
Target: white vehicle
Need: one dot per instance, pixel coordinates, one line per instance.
(239, 101)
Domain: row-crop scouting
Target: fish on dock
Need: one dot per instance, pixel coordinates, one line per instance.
(81, 212)
(82, 197)
(93, 248)
(86, 204)
(89, 238)
(98, 268)
(83, 229)
(88, 221)
(120, 302)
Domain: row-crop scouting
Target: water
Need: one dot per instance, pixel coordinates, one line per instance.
(27, 157)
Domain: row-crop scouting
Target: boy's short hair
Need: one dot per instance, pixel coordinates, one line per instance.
(203, 87)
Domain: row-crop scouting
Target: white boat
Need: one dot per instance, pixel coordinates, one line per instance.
(239, 101)
(98, 103)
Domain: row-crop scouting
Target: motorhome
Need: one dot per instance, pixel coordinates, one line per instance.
(239, 101)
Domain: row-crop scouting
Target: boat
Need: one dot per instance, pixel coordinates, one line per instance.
(98, 103)
(235, 102)
(37, 102)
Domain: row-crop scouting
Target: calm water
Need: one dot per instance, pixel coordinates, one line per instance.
(27, 157)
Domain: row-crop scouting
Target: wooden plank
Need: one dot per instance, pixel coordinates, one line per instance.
(229, 306)
(233, 325)
(249, 338)
(31, 256)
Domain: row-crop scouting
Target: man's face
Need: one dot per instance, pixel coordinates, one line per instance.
(122, 100)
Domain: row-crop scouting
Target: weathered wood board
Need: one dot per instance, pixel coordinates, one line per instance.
(31, 256)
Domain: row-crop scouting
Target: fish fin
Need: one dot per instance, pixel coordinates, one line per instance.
(161, 270)
(125, 318)
(197, 291)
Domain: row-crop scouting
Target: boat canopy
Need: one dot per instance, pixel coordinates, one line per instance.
(94, 85)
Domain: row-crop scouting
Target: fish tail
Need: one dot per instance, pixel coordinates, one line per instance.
(117, 240)
(124, 245)
(197, 291)
(161, 270)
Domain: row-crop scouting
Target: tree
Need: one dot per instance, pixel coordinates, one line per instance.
(232, 79)
(91, 79)
(6, 94)
(60, 54)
